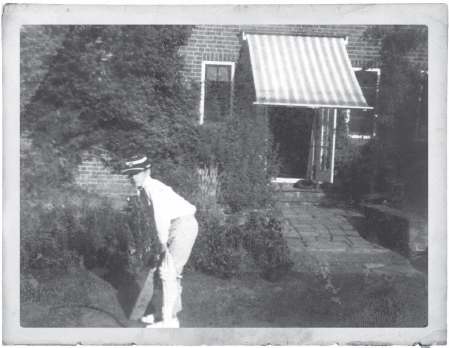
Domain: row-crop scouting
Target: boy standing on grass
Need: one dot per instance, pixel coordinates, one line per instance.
(176, 229)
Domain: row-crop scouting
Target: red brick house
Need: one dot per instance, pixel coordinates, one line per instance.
(302, 78)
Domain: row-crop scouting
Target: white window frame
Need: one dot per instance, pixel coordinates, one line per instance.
(203, 83)
(353, 136)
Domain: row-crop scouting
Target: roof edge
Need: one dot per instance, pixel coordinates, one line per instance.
(256, 32)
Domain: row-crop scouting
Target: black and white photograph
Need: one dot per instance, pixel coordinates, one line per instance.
(250, 174)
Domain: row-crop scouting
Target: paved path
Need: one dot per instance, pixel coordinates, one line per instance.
(318, 235)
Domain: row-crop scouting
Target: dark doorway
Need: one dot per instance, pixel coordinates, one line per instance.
(291, 129)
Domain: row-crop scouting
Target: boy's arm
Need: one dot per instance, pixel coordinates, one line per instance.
(162, 219)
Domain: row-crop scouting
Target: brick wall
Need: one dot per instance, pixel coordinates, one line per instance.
(221, 43)
(94, 177)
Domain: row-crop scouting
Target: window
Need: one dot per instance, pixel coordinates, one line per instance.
(217, 88)
(361, 123)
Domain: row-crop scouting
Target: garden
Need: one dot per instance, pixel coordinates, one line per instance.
(112, 91)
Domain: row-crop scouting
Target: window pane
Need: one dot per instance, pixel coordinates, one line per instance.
(224, 73)
(370, 96)
(217, 102)
(211, 73)
(361, 122)
(366, 78)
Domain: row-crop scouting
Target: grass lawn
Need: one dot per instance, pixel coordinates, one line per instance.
(86, 298)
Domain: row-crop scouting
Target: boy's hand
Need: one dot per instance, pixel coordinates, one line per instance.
(163, 248)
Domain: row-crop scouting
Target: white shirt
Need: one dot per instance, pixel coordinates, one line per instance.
(167, 206)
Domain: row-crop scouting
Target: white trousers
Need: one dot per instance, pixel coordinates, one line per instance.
(182, 235)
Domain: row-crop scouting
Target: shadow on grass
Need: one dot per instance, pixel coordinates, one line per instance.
(128, 289)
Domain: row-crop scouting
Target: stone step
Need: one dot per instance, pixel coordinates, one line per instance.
(300, 196)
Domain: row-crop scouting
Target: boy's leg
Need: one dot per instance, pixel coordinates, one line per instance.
(183, 232)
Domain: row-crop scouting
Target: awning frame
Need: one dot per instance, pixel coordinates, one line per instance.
(314, 106)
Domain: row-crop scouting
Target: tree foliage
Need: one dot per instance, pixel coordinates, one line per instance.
(116, 90)
(38, 45)
(401, 80)
(393, 166)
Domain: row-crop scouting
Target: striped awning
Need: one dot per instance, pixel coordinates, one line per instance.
(303, 71)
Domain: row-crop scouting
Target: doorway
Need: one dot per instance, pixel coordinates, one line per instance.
(291, 129)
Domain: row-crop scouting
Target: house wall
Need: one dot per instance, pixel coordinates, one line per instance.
(94, 177)
(221, 43)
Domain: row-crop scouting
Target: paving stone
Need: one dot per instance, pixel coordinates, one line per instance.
(304, 226)
(327, 246)
(357, 238)
(309, 233)
(295, 243)
(347, 227)
(321, 228)
(337, 232)
(360, 244)
(340, 239)
(307, 239)
(315, 234)
(325, 238)
(290, 233)
(351, 233)
(333, 226)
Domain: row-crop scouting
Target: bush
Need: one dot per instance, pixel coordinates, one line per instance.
(233, 244)
(62, 231)
(241, 149)
(394, 165)
(227, 247)
(383, 171)
(262, 237)
(109, 90)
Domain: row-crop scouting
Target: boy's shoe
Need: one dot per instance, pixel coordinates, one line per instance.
(172, 323)
(149, 319)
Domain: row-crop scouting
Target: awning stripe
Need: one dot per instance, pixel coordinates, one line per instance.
(303, 71)
(333, 66)
(311, 92)
(294, 89)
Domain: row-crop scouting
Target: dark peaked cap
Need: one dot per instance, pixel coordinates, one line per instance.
(136, 164)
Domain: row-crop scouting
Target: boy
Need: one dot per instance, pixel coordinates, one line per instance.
(175, 222)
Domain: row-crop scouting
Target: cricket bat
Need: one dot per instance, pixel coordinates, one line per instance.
(146, 293)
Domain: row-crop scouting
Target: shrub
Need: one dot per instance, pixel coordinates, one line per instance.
(62, 231)
(394, 165)
(110, 90)
(241, 149)
(233, 244)
(219, 248)
(262, 237)
(228, 248)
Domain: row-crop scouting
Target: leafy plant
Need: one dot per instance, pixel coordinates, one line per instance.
(226, 247)
(38, 45)
(263, 239)
(393, 164)
(240, 148)
(56, 235)
(113, 90)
